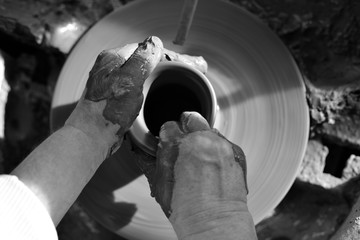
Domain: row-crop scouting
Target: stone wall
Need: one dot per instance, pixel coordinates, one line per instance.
(324, 38)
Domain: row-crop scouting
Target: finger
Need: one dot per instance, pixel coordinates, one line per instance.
(170, 131)
(126, 85)
(124, 52)
(197, 62)
(119, 71)
(193, 121)
(98, 85)
(166, 157)
(164, 180)
(141, 63)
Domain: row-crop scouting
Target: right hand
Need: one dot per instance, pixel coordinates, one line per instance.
(199, 180)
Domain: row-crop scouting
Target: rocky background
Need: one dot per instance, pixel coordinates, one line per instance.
(324, 38)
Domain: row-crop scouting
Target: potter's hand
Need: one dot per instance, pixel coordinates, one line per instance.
(59, 168)
(200, 181)
(113, 95)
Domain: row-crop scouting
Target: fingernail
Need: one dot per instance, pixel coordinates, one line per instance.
(193, 121)
(155, 41)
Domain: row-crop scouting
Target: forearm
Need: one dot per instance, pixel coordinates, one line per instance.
(58, 169)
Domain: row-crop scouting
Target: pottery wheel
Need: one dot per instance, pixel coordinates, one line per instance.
(259, 90)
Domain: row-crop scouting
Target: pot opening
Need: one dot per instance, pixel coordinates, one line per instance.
(173, 92)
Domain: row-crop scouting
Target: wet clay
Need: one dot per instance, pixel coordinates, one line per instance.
(120, 81)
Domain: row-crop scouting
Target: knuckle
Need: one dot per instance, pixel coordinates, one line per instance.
(208, 146)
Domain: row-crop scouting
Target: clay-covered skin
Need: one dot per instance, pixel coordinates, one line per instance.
(173, 135)
(113, 95)
(120, 81)
(197, 176)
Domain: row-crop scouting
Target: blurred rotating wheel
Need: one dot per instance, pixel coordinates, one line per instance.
(259, 89)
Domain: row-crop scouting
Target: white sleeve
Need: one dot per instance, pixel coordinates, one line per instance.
(22, 215)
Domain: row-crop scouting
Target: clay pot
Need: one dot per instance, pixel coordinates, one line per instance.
(171, 89)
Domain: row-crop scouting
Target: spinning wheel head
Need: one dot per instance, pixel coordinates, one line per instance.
(259, 92)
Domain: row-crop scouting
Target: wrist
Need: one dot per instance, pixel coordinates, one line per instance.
(87, 117)
(224, 220)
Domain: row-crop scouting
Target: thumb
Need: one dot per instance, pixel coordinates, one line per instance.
(189, 122)
(193, 121)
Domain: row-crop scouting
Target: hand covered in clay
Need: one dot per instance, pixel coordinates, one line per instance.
(199, 180)
(113, 94)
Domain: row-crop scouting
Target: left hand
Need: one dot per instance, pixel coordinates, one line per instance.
(60, 167)
(113, 95)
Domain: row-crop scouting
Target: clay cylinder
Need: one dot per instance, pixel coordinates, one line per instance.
(171, 89)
